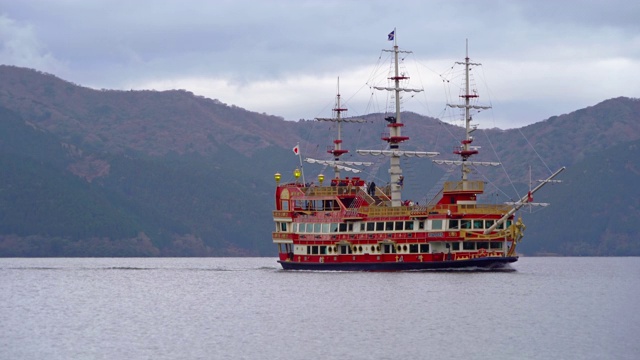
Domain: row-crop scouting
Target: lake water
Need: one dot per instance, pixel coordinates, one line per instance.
(248, 308)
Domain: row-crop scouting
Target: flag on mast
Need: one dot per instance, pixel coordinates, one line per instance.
(392, 35)
(296, 150)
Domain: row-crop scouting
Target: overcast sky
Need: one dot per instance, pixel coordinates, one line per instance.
(539, 58)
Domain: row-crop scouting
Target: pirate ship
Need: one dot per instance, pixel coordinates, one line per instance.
(349, 224)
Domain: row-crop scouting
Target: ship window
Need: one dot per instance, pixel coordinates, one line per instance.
(285, 204)
(469, 245)
(308, 250)
(477, 224)
(362, 226)
(379, 226)
(301, 228)
(483, 245)
(325, 228)
(496, 245)
(342, 227)
(283, 227)
(509, 222)
(388, 226)
(436, 224)
(317, 228)
(500, 226)
(424, 248)
(318, 204)
(399, 225)
(323, 250)
(413, 248)
(388, 249)
(314, 250)
(350, 227)
(309, 227)
(334, 227)
(371, 226)
(421, 225)
(455, 246)
(454, 224)
(465, 224)
(488, 223)
(408, 225)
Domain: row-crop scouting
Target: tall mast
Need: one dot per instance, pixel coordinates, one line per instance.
(337, 150)
(466, 151)
(395, 125)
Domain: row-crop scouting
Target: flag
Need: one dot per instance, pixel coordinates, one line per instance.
(296, 150)
(392, 35)
(529, 197)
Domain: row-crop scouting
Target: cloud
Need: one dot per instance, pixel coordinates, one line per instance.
(20, 46)
(540, 58)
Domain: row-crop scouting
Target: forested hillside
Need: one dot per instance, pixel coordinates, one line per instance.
(144, 173)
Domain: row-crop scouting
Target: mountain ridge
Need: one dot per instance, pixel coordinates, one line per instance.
(177, 174)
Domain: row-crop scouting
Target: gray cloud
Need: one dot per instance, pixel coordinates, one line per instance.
(255, 54)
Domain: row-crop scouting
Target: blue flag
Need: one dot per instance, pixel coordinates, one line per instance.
(392, 35)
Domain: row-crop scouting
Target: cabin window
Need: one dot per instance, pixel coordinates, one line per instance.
(399, 225)
(284, 204)
(362, 226)
(468, 245)
(379, 226)
(309, 227)
(489, 223)
(314, 250)
(483, 245)
(334, 227)
(345, 249)
(294, 227)
(388, 249)
(436, 224)
(465, 224)
(283, 227)
(388, 226)
(509, 222)
(371, 226)
(496, 245)
(350, 226)
(455, 246)
(319, 205)
(317, 228)
(323, 250)
(308, 250)
(421, 225)
(424, 248)
(454, 224)
(325, 228)
(408, 225)
(342, 227)
(413, 248)
(500, 226)
(478, 224)
(301, 228)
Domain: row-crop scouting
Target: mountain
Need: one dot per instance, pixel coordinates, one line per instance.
(146, 173)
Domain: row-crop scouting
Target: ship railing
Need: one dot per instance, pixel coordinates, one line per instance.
(469, 185)
(332, 190)
(492, 209)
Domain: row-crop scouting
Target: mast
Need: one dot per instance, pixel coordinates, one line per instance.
(395, 125)
(337, 150)
(466, 150)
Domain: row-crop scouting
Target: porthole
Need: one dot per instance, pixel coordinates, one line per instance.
(360, 248)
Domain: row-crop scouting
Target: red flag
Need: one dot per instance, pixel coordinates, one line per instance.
(529, 197)
(296, 150)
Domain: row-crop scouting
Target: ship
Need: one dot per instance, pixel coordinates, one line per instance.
(351, 224)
